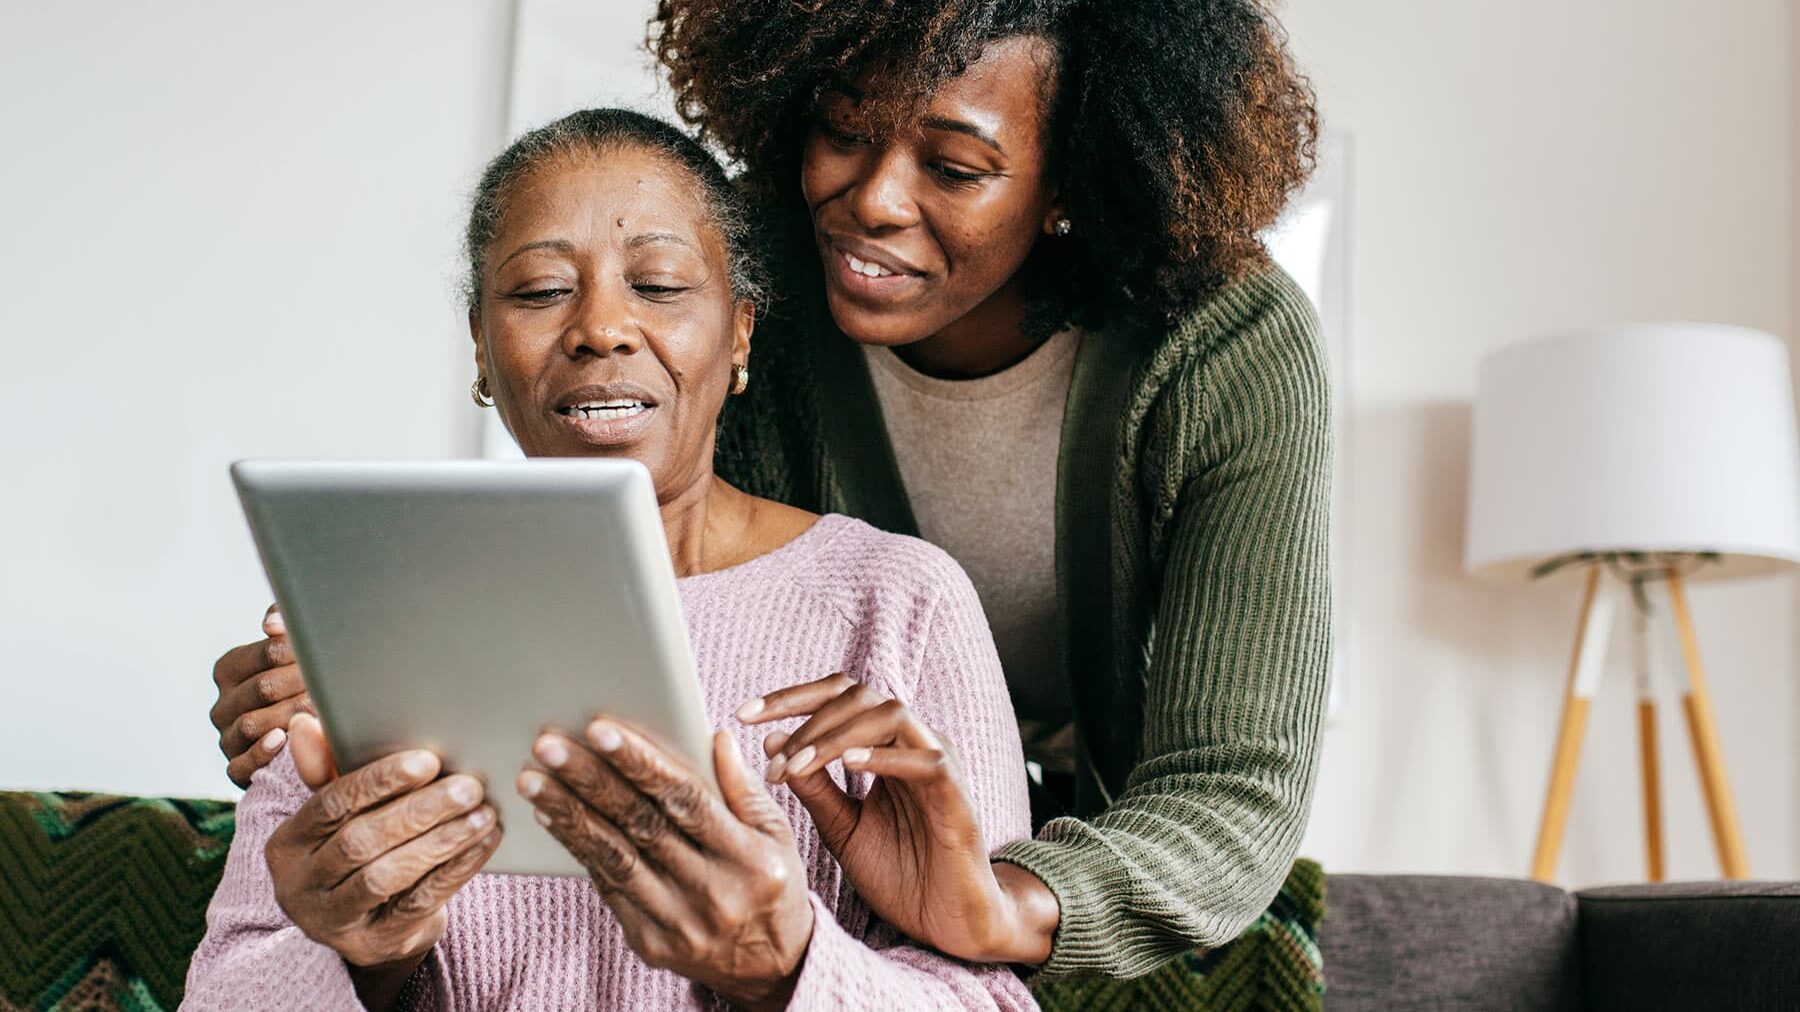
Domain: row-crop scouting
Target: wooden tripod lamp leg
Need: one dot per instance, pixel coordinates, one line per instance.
(1585, 665)
(1705, 734)
(1647, 752)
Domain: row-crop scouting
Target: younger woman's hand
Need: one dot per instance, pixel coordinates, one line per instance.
(912, 846)
(709, 886)
(367, 864)
(260, 690)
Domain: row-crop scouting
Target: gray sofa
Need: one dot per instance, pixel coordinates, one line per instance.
(1400, 942)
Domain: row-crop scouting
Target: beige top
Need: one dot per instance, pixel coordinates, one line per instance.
(978, 459)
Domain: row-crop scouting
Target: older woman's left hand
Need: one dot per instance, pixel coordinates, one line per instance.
(709, 886)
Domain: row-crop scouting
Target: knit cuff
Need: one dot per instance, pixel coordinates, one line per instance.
(832, 976)
(1087, 937)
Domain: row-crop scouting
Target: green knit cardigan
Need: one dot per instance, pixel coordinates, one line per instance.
(1192, 583)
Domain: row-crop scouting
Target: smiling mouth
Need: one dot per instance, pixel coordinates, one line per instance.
(607, 410)
(867, 268)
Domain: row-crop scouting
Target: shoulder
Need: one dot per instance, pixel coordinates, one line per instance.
(1251, 350)
(1261, 325)
(910, 607)
(897, 590)
(1240, 383)
(869, 568)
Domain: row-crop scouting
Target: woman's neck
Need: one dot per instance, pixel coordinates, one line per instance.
(712, 525)
(690, 522)
(984, 341)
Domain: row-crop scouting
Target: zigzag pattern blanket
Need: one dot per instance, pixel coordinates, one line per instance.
(103, 899)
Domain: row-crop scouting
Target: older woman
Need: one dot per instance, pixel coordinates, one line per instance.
(612, 303)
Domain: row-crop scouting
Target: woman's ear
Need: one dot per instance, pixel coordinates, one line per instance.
(743, 324)
(480, 340)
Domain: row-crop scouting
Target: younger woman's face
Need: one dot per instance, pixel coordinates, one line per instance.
(607, 325)
(919, 229)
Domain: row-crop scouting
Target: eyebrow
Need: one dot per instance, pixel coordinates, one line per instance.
(855, 94)
(559, 245)
(564, 246)
(961, 127)
(652, 238)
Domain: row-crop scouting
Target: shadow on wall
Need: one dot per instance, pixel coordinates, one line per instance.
(1471, 671)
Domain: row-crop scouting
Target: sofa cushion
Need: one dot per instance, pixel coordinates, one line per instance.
(1711, 945)
(1400, 942)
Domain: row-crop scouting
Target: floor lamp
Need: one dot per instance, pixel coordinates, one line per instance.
(1639, 458)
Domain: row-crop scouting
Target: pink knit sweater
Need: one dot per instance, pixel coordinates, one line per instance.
(893, 612)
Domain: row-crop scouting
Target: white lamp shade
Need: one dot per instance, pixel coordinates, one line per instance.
(1673, 437)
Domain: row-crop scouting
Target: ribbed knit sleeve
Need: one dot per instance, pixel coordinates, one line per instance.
(253, 957)
(1210, 819)
(845, 973)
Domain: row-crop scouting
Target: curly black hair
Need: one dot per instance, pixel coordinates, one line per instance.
(1178, 129)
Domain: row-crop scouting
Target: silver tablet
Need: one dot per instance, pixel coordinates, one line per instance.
(464, 606)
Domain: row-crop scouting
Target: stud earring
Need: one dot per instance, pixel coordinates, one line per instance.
(478, 392)
(1063, 227)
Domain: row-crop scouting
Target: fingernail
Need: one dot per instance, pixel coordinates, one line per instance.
(416, 764)
(772, 744)
(797, 765)
(776, 766)
(856, 756)
(274, 625)
(274, 739)
(604, 736)
(750, 709)
(542, 817)
(465, 790)
(481, 819)
(552, 752)
(531, 784)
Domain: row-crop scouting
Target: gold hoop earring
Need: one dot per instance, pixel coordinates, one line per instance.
(740, 379)
(478, 392)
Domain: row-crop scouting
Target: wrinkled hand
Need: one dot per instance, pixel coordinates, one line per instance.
(912, 846)
(709, 886)
(367, 864)
(260, 690)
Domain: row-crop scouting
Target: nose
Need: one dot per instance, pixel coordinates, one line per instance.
(881, 198)
(602, 325)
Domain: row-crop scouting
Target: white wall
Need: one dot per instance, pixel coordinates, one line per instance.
(225, 230)
(1527, 167)
(1794, 261)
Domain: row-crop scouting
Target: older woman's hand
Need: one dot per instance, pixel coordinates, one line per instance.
(709, 886)
(367, 864)
(912, 845)
(260, 690)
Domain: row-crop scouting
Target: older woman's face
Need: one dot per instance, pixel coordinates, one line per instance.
(607, 324)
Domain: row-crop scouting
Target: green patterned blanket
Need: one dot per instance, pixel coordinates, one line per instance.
(103, 899)
(1274, 966)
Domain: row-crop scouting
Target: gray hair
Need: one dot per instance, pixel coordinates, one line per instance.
(592, 131)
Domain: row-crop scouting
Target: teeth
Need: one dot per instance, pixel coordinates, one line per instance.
(866, 268)
(607, 410)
